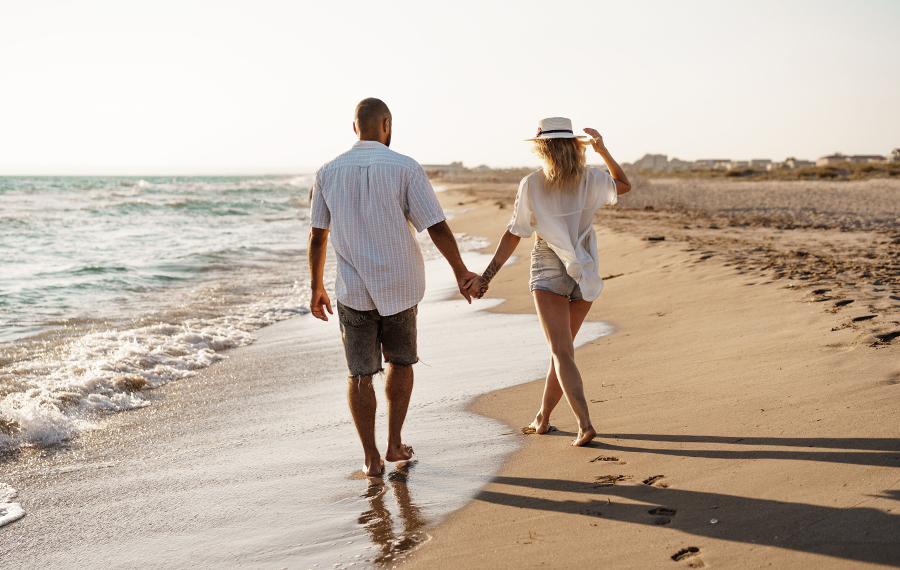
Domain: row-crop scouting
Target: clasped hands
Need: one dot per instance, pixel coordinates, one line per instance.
(473, 285)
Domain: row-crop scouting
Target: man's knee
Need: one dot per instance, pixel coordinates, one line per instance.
(361, 383)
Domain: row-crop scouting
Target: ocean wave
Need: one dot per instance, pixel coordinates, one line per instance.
(53, 397)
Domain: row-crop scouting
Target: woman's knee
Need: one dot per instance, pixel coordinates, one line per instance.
(563, 353)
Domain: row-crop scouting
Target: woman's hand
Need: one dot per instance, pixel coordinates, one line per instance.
(477, 287)
(597, 140)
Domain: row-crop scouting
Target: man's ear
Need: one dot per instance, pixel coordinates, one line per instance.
(386, 125)
(355, 132)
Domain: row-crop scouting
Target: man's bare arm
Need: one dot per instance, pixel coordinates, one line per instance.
(623, 186)
(315, 251)
(445, 242)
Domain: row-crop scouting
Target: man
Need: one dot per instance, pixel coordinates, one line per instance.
(367, 198)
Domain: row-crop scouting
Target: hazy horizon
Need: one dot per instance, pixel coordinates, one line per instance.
(203, 88)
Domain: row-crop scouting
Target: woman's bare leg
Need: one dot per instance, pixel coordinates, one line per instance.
(553, 392)
(553, 311)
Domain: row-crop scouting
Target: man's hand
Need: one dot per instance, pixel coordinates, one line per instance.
(477, 287)
(317, 302)
(462, 280)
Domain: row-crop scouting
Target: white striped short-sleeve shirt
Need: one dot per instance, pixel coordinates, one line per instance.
(368, 197)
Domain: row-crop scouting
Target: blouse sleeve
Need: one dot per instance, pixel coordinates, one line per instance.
(604, 188)
(523, 221)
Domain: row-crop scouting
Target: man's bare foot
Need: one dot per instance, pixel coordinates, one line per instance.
(540, 425)
(584, 436)
(373, 467)
(400, 452)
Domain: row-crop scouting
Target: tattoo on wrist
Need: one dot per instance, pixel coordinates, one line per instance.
(491, 270)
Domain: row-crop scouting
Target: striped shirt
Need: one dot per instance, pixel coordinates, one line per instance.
(369, 197)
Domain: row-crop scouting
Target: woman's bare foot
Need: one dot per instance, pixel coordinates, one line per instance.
(373, 467)
(400, 452)
(540, 425)
(584, 436)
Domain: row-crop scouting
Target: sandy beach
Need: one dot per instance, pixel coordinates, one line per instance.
(747, 418)
(748, 414)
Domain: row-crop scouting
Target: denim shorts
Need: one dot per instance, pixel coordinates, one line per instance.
(367, 335)
(548, 273)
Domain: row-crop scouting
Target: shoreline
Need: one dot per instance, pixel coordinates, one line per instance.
(742, 423)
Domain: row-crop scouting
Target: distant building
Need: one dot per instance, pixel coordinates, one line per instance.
(676, 164)
(442, 169)
(894, 156)
(482, 168)
(735, 164)
(797, 163)
(777, 166)
(866, 159)
(760, 162)
(836, 158)
(654, 162)
(712, 163)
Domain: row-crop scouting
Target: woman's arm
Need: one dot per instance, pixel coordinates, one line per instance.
(622, 183)
(505, 248)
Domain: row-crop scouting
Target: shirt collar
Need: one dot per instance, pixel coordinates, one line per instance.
(368, 144)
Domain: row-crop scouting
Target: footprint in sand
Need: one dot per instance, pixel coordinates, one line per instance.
(690, 556)
(663, 515)
(607, 480)
(654, 480)
(609, 458)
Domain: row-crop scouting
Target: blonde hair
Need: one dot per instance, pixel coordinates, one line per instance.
(564, 162)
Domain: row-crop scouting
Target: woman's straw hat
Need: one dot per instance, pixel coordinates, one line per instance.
(555, 128)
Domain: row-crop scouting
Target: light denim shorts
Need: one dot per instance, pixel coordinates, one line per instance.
(548, 273)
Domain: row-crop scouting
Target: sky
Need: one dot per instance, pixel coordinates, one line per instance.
(195, 87)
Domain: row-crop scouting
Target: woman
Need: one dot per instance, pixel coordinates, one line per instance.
(557, 203)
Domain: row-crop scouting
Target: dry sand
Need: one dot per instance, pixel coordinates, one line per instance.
(746, 419)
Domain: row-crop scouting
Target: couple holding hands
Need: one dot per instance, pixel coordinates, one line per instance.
(367, 197)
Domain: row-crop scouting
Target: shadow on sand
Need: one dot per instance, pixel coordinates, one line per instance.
(856, 533)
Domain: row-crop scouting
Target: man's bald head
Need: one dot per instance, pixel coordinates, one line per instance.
(372, 121)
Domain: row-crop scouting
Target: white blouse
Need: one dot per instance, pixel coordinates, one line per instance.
(565, 221)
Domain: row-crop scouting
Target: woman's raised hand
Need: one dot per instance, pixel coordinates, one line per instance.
(597, 140)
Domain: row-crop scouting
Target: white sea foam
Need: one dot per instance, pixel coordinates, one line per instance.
(9, 511)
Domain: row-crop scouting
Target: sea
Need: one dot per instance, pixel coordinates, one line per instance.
(111, 287)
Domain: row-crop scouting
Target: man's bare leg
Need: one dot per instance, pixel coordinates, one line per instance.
(553, 392)
(361, 397)
(398, 389)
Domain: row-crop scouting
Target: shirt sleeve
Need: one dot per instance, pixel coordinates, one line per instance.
(319, 214)
(605, 188)
(421, 205)
(523, 221)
